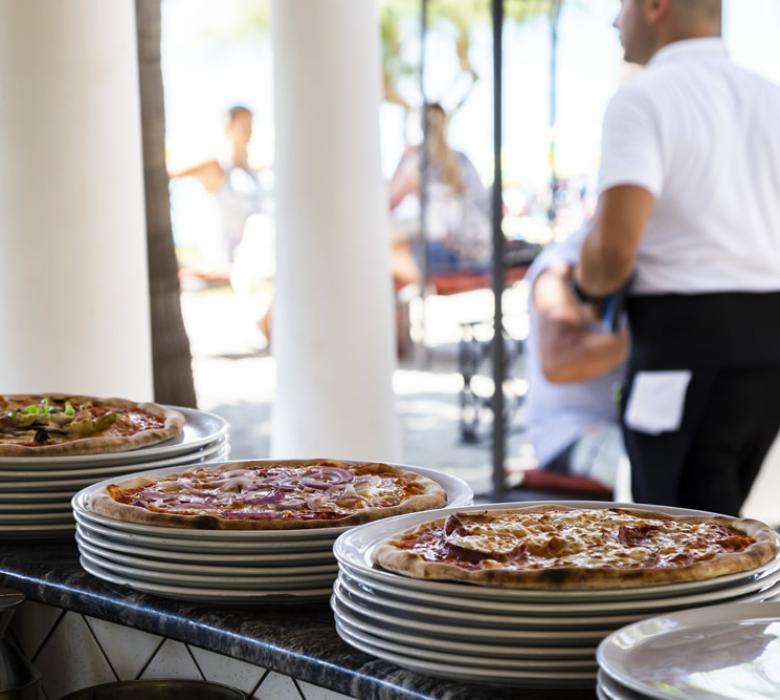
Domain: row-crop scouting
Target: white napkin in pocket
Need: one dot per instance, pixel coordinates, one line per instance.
(657, 401)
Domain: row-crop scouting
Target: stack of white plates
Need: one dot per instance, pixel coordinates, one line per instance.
(724, 651)
(225, 566)
(35, 492)
(528, 637)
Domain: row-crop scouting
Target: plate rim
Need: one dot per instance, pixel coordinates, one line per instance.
(484, 673)
(464, 493)
(463, 658)
(212, 546)
(203, 593)
(64, 474)
(129, 455)
(189, 556)
(531, 651)
(603, 653)
(566, 622)
(374, 532)
(238, 571)
(593, 636)
(642, 605)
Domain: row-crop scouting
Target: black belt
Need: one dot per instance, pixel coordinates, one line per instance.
(686, 331)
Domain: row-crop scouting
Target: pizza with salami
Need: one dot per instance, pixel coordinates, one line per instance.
(269, 495)
(562, 547)
(35, 425)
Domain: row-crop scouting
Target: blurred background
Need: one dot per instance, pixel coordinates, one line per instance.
(561, 63)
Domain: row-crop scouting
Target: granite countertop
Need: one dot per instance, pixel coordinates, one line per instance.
(300, 641)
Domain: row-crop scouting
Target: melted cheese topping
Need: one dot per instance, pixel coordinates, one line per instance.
(590, 539)
(38, 421)
(325, 491)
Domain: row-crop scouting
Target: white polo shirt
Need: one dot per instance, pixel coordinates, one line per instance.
(703, 136)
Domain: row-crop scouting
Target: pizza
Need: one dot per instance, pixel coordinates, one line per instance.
(269, 495)
(33, 425)
(560, 547)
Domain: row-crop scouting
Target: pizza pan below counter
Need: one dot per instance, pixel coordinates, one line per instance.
(289, 652)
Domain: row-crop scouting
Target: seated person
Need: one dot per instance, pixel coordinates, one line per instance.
(574, 367)
(457, 219)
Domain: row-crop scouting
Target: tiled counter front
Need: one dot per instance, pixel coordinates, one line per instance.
(80, 631)
(74, 651)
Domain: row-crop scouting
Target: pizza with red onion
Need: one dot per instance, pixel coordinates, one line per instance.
(269, 496)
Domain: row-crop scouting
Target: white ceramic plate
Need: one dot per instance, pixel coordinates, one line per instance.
(204, 454)
(587, 666)
(498, 621)
(10, 531)
(642, 608)
(612, 690)
(85, 480)
(730, 651)
(526, 678)
(458, 493)
(229, 572)
(323, 556)
(210, 595)
(206, 546)
(253, 583)
(418, 640)
(35, 507)
(200, 428)
(454, 630)
(35, 518)
(355, 549)
(38, 497)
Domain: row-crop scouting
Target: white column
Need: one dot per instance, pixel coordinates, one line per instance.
(74, 302)
(333, 312)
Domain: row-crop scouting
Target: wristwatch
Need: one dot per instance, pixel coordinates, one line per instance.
(581, 295)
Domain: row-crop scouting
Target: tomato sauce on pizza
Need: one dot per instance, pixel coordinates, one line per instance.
(238, 495)
(548, 544)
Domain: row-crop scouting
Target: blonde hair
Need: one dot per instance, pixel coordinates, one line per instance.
(439, 150)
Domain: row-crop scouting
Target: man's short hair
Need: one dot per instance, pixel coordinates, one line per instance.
(706, 9)
(237, 110)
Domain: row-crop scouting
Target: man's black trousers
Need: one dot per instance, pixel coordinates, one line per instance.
(731, 344)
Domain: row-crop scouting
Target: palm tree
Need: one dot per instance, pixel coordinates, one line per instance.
(454, 17)
(171, 358)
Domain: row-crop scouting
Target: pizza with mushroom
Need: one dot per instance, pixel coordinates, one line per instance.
(33, 425)
(269, 495)
(577, 548)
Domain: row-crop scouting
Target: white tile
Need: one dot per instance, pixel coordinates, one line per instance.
(276, 686)
(32, 623)
(224, 669)
(172, 661)
(71, 659)
(314, 692)
(127, 649)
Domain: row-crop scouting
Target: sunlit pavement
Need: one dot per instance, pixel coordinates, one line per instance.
(235, 377)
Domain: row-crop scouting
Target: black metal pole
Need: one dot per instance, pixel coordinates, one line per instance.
(499, 359)
(555, 14)
(423, 196)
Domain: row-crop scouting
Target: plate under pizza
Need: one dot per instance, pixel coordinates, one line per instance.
(575, 548)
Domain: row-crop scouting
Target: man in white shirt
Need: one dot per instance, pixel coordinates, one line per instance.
(689, 213)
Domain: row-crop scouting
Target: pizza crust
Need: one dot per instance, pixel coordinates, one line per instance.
(102, 503)
(174, 423)
(765, 548)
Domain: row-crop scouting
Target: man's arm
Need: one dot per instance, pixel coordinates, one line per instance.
(209, 173)
(609, 251)
(569, 351)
